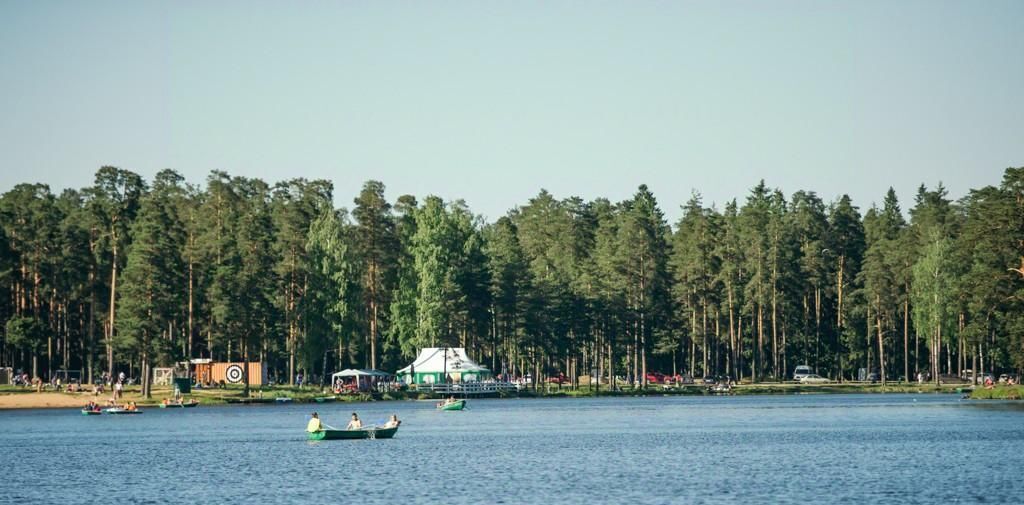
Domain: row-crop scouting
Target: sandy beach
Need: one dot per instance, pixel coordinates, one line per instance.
(44, 400)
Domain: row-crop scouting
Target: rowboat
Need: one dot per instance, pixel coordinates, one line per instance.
(179, 405)
(87, 412)
(119, 410)
(371, 432)
(283, 399)
(453, 405)
(325, 399)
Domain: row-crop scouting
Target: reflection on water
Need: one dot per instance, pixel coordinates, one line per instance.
(779, 449)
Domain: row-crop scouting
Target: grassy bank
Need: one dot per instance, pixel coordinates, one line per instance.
(17, 397)
(998, 393)
(764, 389)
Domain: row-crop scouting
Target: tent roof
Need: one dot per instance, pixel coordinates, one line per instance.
(360, 372)
(433, 360)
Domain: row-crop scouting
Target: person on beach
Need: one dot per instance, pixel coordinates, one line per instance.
(355, 423)
(314, 424)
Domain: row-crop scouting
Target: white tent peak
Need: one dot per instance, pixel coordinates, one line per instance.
(443, 359)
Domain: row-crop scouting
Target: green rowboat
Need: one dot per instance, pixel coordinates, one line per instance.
(325, 399)
(87, 412)
(353, 434)
(456, 405)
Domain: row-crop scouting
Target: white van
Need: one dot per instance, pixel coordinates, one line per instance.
(801, 372)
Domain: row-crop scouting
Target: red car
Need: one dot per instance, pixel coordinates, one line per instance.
(559, 379)
(655, 378)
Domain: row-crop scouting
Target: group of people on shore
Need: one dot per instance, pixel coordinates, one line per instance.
(314, 425)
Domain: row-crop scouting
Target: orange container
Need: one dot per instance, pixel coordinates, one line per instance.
(230, 373)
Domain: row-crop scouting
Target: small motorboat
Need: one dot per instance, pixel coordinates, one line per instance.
(362, 433)
(179, 405)
(325, 399)
(720, 389)
(91, 412)
(452, 405)
(283, 399)
(120, 410)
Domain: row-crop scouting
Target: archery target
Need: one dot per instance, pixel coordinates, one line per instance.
(233, 374)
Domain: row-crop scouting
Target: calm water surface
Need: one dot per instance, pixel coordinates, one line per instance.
(778, 449)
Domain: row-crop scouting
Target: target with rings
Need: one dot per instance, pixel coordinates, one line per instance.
(233, 373)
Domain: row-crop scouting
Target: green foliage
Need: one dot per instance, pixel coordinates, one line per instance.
(333, 305)
(377, 247)
(239, 269)
(25, 333)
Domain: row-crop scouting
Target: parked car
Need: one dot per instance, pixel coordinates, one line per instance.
(709, 379)
(813, 379)
(802, 371)
(655, 377)
(559, 379)
(874, 377)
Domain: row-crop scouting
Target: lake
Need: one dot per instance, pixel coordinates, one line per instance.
(658, 450)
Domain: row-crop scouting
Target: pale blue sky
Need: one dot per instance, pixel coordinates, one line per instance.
(491, 101)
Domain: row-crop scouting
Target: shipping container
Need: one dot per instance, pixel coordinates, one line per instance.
(230, 373)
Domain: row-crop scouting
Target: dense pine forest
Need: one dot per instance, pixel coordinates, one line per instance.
(129, 274)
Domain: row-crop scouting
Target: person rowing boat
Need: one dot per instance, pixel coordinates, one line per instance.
(314, 424)
(355, 423)
(393, 422)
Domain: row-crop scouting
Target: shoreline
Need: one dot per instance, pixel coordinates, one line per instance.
(12, 398)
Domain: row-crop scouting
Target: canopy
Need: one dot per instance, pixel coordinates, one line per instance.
(359, 372)
(434, 364)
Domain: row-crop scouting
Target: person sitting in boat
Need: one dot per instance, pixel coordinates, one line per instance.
(355, 423)
(314, 424)
(393, 422)
(132, 407)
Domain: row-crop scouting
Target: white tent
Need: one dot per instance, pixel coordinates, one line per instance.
(364, 378)
(358, 372)
(435, 364)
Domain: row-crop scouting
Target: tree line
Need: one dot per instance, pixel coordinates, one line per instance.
(127, 275)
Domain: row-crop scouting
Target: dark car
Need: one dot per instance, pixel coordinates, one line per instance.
(710, 379)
